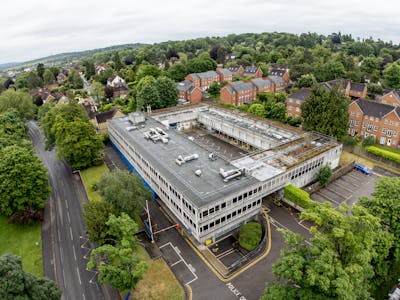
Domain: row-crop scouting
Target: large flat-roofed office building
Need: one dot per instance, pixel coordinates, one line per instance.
(212, 167)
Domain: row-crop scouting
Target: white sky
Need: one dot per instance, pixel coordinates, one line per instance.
(35, 28)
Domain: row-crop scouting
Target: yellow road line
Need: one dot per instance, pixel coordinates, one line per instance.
(216, 273)
(190, 293)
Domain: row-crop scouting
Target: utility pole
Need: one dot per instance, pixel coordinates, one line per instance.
(148, 218)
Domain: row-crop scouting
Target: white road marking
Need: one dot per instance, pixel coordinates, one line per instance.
(235, 291)
(73, 248)
(189, 266)
(79, 276)
(279, 225)
(69, 219)
(66, 203)
(70, 231)
(61, 254)
(175, 263)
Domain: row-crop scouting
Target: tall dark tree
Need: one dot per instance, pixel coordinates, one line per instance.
(218, 54)
(40, 70)
(171, 53)
(117, 61)
(177, 72)
(326, 112)
(15, 283)
(89, 69)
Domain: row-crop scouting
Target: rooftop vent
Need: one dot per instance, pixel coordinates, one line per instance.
(212, 156)
(181, 160)
(230, 174)
(130, 128)
(197, 172)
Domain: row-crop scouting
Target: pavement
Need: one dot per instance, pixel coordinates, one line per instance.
(347, 189)
(192, 270)
(64, 246)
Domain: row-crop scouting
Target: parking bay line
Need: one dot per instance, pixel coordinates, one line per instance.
(279, 225)
(189, 266)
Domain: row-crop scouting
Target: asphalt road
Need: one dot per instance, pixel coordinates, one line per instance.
(64, 246)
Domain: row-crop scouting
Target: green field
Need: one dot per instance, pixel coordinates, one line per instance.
(90, 177)
(21, 241)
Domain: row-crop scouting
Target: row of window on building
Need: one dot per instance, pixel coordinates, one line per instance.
(228, 217)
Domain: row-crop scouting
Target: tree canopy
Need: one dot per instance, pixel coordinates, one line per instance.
(18, 100)
(23, 180)
(15, 283)
(124, 191)
(326, 112)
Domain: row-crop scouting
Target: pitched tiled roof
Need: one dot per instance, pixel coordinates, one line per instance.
(301, 94)
(260, 83)
(207, 74)
(194, 75)
(337, 83)
(184, 85)
(276, 79)
(242, 86)
(234, 68)
(372, 108)
(358, 87)
(250, 69)
(225, 72)
(277, 72)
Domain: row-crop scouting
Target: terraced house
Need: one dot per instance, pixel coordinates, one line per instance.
(370, 118)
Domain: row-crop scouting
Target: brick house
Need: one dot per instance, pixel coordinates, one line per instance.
(251, 71)
(207, 78)
(224, 75)
(280, 84)
(295, 100)
(282, 73)
(391, 98)
(376, 119)
(119, 86)
(189, 93)
(238, 93)
(62, 76)
(263, 85)
(194, 78)
(340, 84)
(236, 70)
(357, 90)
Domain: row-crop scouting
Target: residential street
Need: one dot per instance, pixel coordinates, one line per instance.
(63, 245)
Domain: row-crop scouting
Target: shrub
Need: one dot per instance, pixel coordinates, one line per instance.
(369, 141)
(385, 152)
(250, 235)
(324, 174)
(298, 196)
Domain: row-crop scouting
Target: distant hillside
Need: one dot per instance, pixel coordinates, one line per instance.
(68, 56)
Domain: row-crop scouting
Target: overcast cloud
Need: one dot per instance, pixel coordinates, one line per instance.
(32, 29)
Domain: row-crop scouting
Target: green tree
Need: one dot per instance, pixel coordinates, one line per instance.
(326, 112)
(118, 264)
(276, 111)
(198, 65)
(89, 69)
(97, 91)
(257, 109)
(75, 80)
(214, 89)
(20, 101)
(336, 264)
(23, 180)
(385, 204)
(391, 75)
(324, 174)
(48, 77)
(117, 61)
(13, 130)
(369, 141)
(167, 91)
(147, 94)
(124, 191)
(78, 143)
(306, 80)
(40, 70)
(177, 72)
(15, 283)
(370, 64)
(96, 215)
(147, 70)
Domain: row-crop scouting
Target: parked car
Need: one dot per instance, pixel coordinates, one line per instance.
(363, 169)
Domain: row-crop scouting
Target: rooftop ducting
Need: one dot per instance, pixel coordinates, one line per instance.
(181, 160)
(230, 174)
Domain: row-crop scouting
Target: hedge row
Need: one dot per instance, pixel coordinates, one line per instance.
(298, 196)
(385, 153)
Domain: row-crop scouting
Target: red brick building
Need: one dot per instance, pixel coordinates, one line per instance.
(238, 93)
(370, 118)
(224, 75)
(263, 85)
(295, 100)
(236, 70)
(391, 98)
(189, 93)
(282, 73)
(251, 71)
(203, 80)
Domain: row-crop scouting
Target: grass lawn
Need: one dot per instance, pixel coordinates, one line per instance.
(20, 240)
(91, 176)
(158, 282)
